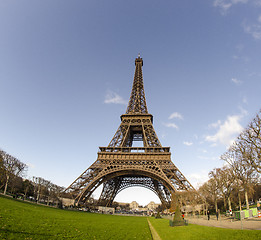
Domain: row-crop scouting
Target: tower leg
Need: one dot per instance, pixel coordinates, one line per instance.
(109, 191)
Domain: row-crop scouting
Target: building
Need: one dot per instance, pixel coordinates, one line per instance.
(134, 205)
(67, 202)
(152, 206)
(189, 208)
(107, 210)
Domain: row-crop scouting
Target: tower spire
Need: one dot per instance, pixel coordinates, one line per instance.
(137, 103)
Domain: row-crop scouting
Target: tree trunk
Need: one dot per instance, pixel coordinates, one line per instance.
(229, 203)
(246, 197)
(239, 199)
(216, 205)
(225, 204)
(6, 183)
(25, 192)
(38, 194)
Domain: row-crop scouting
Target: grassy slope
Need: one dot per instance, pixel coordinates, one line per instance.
(192, 232)
(21, 220)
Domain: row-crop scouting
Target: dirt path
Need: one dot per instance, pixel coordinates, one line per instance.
(226, 222)
(155, 235)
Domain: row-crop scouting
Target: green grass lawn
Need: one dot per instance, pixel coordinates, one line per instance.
(193, 232)
(22, 220)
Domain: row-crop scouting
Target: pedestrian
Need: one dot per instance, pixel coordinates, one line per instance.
(217, 215)
(208, 213)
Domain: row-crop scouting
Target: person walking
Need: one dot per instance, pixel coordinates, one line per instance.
(208, 213)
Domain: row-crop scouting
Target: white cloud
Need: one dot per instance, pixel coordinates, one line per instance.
(226, 131)
(253, 29)
(258, 3)
(202, 150)
(240, 47)
(173, 116)
(242, 58)
(163, 135)
(215, 125)
(197, 179)
(225, 5)
(243, 111)
(208, 158)
(239, 1)
(236, 81)
(188, 143)
(112, 97)
(222, 4)
(213, 145)
(176, 115)
(171, 125)
(30, 165)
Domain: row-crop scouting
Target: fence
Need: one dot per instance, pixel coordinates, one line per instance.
(246, 213)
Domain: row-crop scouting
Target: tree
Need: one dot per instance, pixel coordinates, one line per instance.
(205, 196)
(173, 203)
(11, 173)
(214, 185)
(2, 171)
(227, 181)
(55, 192)
(45, 190)
(250, 141)
(28, 188)
(160, 208)
(38, 187)
(11, 168)
(244, 174)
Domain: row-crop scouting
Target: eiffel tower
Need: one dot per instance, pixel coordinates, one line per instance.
(120, 166)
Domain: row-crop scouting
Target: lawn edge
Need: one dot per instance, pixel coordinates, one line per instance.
(154, 233)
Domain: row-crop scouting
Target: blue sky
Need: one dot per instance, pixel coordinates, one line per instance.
(66, 72)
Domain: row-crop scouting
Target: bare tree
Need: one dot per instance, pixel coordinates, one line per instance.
(55, 192)
(244, 173)
(227, 184)
(11, 167)
(204, 194)
(2, 171)
(27, 187)
(250, 141)
(45, 190)
(214, 185)
(38, 187)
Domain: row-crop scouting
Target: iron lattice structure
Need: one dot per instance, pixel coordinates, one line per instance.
(120, 166)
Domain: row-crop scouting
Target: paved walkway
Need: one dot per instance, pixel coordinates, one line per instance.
(154, 234)
(227, 222)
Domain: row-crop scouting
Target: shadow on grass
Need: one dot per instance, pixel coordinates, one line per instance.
(8, 232)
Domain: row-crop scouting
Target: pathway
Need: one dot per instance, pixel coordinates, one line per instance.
(227, 222)
(154, 234)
